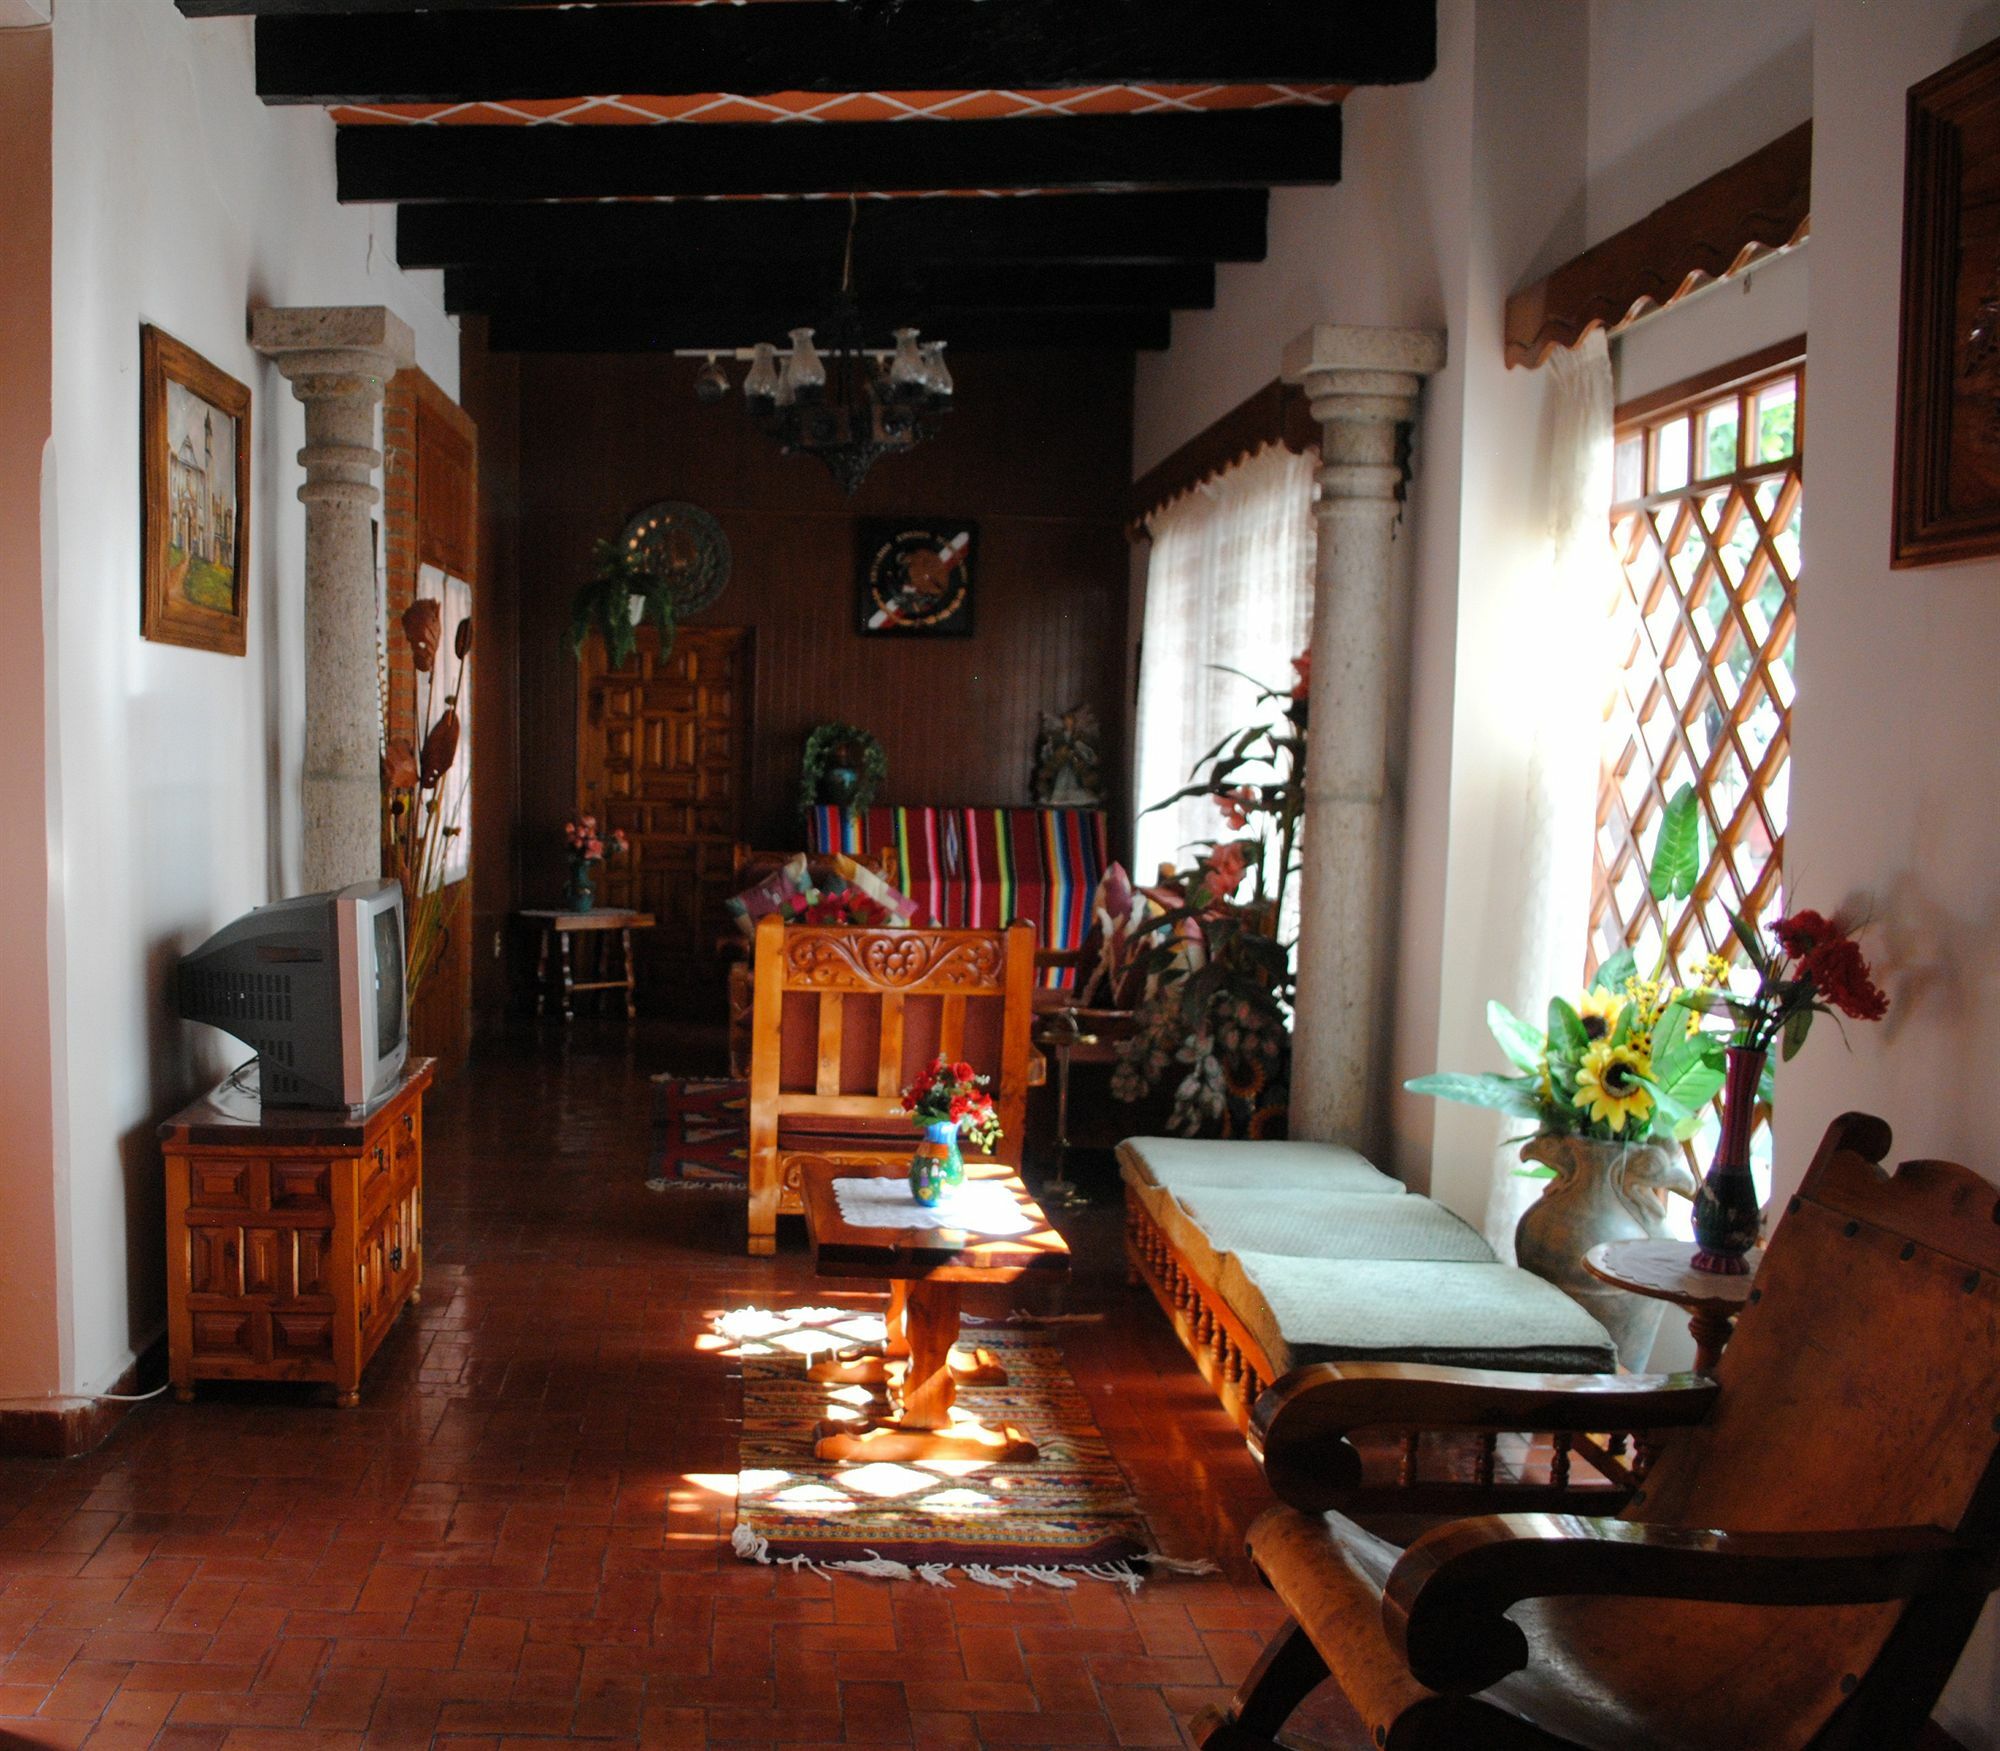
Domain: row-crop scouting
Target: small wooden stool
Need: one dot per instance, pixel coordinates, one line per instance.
(556, 928)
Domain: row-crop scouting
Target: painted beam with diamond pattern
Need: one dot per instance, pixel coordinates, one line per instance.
(624, 240)
(963, 45)
(1226, 149)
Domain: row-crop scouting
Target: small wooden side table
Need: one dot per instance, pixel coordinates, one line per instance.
(556, 928)
(927, 1271)
(1664, 1270)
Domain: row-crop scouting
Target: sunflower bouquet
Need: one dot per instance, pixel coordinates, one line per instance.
(1627, 1059)
(1623, 1061)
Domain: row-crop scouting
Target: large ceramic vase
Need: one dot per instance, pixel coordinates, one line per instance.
(1727, 1216)
(1601, 1192)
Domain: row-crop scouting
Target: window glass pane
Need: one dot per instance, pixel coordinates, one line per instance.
(1670, 456)
(1628, 468)
(1718, 440)
(1777, 420)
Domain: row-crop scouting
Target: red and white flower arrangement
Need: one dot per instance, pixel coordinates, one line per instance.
(954, 1093)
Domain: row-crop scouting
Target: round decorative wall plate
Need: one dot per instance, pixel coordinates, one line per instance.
(686, 547)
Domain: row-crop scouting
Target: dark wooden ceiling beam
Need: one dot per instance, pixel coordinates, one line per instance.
(1222, 149)
(574, 331)
(621, 239)
(942, 45)
(884, 287)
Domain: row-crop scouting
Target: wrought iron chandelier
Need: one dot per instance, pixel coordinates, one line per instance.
(831, 395)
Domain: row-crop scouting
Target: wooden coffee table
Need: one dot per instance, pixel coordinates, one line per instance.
(928, 1270)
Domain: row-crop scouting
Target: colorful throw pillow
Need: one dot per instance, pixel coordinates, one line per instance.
(898, 905)
(789, 892)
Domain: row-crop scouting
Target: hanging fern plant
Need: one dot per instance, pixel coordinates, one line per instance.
(625, 594)
(842, 765)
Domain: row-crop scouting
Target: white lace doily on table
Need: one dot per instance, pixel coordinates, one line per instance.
(977, 1207)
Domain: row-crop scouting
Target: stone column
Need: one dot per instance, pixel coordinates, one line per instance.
(1363, 383)
(338, 360)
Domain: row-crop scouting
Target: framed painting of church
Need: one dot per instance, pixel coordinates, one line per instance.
(194, 487)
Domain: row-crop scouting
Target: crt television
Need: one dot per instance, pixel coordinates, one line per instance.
(315, 987)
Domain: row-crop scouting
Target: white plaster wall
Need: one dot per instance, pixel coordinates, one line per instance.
(1680, 89)
(1898, 713)
(180, 200)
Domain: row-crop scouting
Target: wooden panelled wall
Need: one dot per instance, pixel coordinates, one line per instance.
(1038, 452)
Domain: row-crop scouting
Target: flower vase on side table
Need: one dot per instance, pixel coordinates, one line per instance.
(931, 1166)
(1727, 1216)
(580, 894)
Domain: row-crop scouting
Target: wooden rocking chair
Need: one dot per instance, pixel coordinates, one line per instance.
(1800, 1567)
(844, 1018)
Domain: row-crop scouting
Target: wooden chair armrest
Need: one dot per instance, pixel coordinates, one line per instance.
(1443, 1607)
(1300, 1426)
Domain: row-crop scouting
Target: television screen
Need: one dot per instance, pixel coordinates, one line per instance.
(389, 974)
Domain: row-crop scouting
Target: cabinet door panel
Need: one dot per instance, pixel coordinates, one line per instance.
(215, 1261)
(314, 1253)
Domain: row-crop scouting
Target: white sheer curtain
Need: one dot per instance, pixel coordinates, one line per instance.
(1229, 582)
(1559, 807)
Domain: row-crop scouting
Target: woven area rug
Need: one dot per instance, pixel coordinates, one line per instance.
(1068, 1515)
(701, 1133)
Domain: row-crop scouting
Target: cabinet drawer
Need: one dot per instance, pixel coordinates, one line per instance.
(302, 1185)
(222, 1185)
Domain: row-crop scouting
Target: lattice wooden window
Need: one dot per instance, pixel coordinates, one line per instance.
(1709, 498)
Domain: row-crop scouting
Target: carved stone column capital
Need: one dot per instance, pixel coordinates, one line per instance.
(1364, 385)
(338, 360)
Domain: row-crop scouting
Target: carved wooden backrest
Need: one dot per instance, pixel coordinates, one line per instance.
(845, 1018)
(1862, 1389)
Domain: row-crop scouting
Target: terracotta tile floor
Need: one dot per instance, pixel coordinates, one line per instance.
(505, 1543)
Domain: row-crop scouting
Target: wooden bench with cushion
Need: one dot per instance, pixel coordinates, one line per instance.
(1268, 1256)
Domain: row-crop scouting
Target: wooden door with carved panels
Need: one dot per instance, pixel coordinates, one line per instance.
(663, 752)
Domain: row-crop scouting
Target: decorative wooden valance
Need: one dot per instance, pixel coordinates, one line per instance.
(1761, 203)
(1279, 413)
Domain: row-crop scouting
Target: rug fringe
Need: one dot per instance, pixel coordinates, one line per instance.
(1127, 1573)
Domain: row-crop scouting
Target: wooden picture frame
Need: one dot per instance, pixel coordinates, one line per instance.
(194, 495)
(1947, 504)
(916, 577)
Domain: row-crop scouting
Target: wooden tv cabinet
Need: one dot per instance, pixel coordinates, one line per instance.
(293, 1238)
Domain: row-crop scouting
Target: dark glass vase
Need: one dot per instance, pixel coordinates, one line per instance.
(580, 895)
(1727, 1217)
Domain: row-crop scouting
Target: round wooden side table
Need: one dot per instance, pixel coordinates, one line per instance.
(1664, 1271)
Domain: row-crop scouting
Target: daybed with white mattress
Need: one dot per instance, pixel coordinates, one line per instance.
(1269, 1255)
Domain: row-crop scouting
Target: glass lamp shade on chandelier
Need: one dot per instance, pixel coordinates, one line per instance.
(831, 395)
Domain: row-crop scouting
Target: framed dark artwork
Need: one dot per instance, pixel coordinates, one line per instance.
(1948, 380)
(917, 578)
(194, 494)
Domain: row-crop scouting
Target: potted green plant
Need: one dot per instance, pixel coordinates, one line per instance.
(624, 594)
(843, 766)
(1217, 1011)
